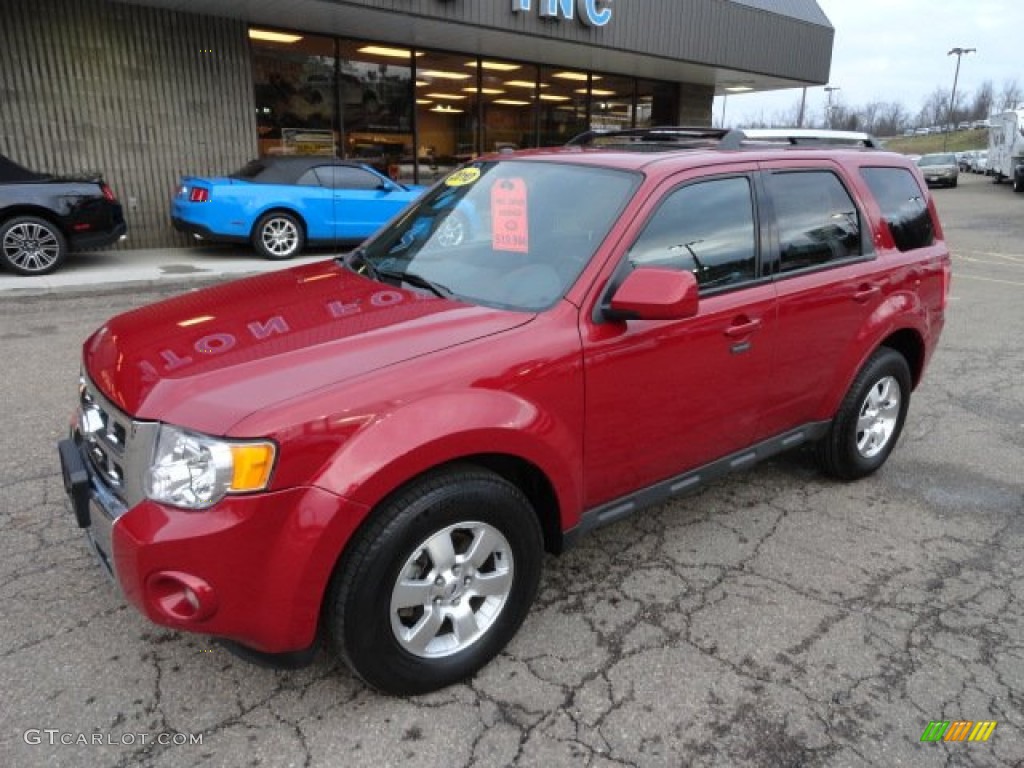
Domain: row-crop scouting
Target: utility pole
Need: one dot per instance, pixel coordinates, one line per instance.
(830, 89)
(803, 103)
(958, 52)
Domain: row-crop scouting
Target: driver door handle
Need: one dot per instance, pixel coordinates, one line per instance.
(742, 326)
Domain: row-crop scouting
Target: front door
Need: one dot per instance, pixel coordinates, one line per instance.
(664, 396)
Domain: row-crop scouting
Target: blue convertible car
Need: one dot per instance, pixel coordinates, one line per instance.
(280, 204)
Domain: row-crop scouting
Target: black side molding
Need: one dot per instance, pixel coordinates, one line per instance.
(692, 480)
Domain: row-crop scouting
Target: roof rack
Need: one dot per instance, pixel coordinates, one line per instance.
(665, 137)
(804, 136)
(658, 137)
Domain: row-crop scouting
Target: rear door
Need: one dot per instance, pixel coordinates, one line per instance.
(826, 291)
(664, 396)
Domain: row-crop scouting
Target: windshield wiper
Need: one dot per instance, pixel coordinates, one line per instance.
(357, 262)
(419, 281)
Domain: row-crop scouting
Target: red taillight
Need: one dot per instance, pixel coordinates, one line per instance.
(199, 195)
(108, 193)
(947, 281)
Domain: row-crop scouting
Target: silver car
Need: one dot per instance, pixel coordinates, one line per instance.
(940, 169)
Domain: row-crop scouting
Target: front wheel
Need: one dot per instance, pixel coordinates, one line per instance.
(278, 236)
(437, 582)
(30, 245)
(1018, 183)
(870, 418)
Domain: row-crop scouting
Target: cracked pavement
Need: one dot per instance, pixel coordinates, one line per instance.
(775, 619)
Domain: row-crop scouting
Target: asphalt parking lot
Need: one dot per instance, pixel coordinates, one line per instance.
(775, 619)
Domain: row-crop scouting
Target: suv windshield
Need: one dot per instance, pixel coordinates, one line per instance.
(505, 233)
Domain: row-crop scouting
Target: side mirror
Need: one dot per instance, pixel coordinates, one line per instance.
(650, 293)
(388, 186)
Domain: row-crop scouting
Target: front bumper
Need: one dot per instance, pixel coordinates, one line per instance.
(252, 569)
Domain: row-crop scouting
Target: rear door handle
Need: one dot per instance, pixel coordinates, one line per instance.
(742, 327)
(865, 293)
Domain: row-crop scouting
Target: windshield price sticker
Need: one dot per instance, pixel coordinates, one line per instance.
(510, 226)
(463, 177)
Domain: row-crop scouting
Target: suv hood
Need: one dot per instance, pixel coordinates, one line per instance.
(207, 359)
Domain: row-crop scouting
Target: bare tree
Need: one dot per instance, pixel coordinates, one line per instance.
(893, 118)
(981, 105)
(1011, 96)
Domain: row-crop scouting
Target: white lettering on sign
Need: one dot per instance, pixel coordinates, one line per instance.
(593, 13)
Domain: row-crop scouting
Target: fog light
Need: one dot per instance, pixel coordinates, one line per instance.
(181, 597)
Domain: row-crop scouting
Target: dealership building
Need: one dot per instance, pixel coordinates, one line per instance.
(151, 90)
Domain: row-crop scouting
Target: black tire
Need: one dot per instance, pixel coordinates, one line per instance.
(278, 236)
(372, 628)
(849, 452)
(953, 183)
(30, 245)
(1018, 184)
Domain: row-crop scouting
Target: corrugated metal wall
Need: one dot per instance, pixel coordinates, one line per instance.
(143, 95)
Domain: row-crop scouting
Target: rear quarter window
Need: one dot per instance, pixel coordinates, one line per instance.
(903, 205)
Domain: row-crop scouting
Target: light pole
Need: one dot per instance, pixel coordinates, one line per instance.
(830, 89)
(958, 52)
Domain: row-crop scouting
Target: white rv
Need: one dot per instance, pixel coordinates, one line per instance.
(1006, 147)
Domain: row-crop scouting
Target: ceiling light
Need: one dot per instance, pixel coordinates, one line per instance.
(381, 50)
(273, 37)
(497, 66)
(525, 84)
(424, 101)
(487, 91)
(448, 96)
(440, 74)
(580, 76)
(596, 92)
(511, 102)
(738, 88)
(553, 97)
(446, 109)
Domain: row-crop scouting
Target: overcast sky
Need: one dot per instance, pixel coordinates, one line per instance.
(896, 50)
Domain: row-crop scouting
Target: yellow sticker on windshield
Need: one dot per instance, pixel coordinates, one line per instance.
(463, 177)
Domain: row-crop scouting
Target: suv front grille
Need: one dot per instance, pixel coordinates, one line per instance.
(105, 431)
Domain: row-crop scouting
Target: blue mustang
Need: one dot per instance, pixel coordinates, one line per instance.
(281, 204)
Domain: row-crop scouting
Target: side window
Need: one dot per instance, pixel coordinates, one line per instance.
(903, 206)
(348, 177)
(706, 228)
(817, 220)
(309, 179)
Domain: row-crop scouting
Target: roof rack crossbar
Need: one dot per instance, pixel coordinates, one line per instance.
(688, 137)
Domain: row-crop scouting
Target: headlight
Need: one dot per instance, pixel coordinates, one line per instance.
(195, 471)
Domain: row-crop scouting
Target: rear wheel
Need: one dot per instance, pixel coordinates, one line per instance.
(30, 245)
(437, 583)
(870, 418)
(278, 236)
(1018, 183)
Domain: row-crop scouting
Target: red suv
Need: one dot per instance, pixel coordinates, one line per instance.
(377, 450)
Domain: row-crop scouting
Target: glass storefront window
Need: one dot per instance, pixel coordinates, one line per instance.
(563, 105)
(446, 112)
(358, 99)
(611, 105)
(295, 97)
(376, 103)
(509, 95)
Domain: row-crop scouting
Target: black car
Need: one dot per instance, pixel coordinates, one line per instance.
(42, 216)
